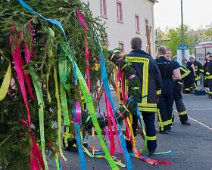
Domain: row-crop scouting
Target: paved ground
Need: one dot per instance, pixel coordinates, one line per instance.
(192, 144)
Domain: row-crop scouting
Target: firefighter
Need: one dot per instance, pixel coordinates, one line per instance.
(198, 68)
(150, 79)
(178, 99)
(169, 74)
(189, 81)
(208, 74)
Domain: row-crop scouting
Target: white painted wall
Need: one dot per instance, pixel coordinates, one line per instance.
(125, 31)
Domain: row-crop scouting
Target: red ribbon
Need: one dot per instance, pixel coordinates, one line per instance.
(36, 159)
(153, 161)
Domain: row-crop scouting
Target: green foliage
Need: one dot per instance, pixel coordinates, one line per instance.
(208, 33)
(46, 52)
(173, 39)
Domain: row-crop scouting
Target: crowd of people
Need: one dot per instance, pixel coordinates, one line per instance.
(161, 81)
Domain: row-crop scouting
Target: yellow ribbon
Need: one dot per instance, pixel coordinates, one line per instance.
(5, 84)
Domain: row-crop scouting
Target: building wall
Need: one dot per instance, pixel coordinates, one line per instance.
(124, 32)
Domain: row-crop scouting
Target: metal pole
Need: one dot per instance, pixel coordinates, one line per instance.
(182, 30)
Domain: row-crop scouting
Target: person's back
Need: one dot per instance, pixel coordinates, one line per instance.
(178, 99)
(166, 68)
(150, 79)
(165, 104)
(149, 75)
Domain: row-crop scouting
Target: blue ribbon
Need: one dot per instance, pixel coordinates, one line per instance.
(165, 153)
(78, 138)
(107, 89)
(53, 22)
(60, 165)
(79, 144)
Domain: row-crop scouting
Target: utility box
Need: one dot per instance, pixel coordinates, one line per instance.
(179, 55)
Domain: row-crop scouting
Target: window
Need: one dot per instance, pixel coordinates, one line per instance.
(103, 8)
(119, 12)
(137, 24)
(121, 46)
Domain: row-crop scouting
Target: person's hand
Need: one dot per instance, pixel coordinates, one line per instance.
(116, 51)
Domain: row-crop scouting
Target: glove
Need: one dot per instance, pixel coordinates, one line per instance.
(116, 51)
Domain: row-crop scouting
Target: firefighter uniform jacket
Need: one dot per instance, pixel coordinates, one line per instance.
(150, 78)
(208, 71)
(184, 72)
(198, 69)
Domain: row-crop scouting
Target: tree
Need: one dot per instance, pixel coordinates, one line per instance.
(173, 39)
(24, 34)
(208, 33)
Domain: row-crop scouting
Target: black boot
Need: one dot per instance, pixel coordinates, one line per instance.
(129, 146)
(186, 123)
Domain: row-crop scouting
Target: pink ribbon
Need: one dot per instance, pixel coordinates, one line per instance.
(36, 159)
(35, 155)
(18, 67)
(85, 28)
(131, 76)
(112, 142)
(78, 112)
(108, 106)
(81, 19)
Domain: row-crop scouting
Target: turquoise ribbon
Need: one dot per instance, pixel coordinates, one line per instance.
(60, 165)
(79, 144)
(107, 89)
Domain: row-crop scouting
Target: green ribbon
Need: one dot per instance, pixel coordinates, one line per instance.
(41, 105)
(59, 121)
(63, 77)
(57, 162)
(90, 106)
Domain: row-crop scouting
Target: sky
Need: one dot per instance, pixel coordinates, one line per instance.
(197, 13)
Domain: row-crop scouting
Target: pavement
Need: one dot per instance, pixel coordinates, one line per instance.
(191, 146)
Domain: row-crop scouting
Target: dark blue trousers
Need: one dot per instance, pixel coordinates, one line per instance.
(149, 121)
(180, 106)
(165, 105)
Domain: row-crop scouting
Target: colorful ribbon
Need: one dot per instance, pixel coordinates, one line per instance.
(41, 105)
(36, 160)
(85, 28)
(90, 107)
(63, 77)
(77, 117)
(35, 157)
(102, 155)
(107, 89)
(77, 112)
(55, 22)
(111, 136)
(59, 121)
(6, 83)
